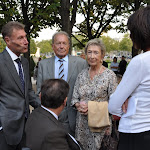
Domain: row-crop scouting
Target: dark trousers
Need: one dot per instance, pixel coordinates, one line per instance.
(134, 141)
(5, 146)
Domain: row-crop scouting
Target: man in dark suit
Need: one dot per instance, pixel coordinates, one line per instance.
(43, 130)
(15, 87)
(49, 69)
(122, 65)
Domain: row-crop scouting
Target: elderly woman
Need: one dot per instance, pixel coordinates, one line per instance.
(94, 83)
(134, 125)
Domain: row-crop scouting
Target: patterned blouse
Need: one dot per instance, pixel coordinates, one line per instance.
(85, 89)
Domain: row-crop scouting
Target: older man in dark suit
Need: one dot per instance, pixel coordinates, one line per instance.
(43, 130)
(15, 87)
(64, 66)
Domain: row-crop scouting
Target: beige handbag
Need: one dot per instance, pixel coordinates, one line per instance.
(98, 116)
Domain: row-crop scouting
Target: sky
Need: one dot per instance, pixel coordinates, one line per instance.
(46, 34)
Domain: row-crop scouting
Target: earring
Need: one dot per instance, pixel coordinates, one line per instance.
(101, 61)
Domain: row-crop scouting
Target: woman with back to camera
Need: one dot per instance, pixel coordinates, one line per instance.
(134, 126)
(94, 83)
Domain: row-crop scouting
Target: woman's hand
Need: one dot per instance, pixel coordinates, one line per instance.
(77, 105)
(82, 107)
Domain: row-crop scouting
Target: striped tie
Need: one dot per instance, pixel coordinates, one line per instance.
(61, 69)
(20, 72)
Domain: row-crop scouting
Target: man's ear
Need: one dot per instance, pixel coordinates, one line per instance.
(65, 101)
(40, 95)
(52, 46)
(6, 39)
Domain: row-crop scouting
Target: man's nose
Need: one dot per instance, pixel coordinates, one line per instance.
(26, 41)
(61, 45)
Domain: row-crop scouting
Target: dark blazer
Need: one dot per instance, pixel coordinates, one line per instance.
(45, 132)
(46, 70)
(12, 98)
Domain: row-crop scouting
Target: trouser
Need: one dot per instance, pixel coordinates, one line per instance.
(134, 141)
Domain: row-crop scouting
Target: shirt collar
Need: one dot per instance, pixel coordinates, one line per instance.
(65, 58)
(12, 55)
(50, 112)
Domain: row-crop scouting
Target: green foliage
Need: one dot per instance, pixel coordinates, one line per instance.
(45, 46)
(2, 44)
(33, 47)
(126, 43)
(110, 44)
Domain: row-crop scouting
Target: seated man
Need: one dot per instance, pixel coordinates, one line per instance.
(43, 130)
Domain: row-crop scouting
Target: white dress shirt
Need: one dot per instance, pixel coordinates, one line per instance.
(135, 84)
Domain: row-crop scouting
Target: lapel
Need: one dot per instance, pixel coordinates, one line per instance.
(71, 66)
(51, 67)
(12, 70)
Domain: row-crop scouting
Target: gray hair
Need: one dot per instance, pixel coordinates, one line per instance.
(60, 33)
(98, 43)
(8, 28)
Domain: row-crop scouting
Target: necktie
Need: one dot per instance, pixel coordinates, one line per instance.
(20, 72)
(61, 69)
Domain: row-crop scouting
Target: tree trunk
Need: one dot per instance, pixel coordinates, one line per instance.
(68, 21)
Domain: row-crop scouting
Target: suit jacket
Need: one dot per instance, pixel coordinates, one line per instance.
(45, 132)
(13, 99)
(46, 70)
